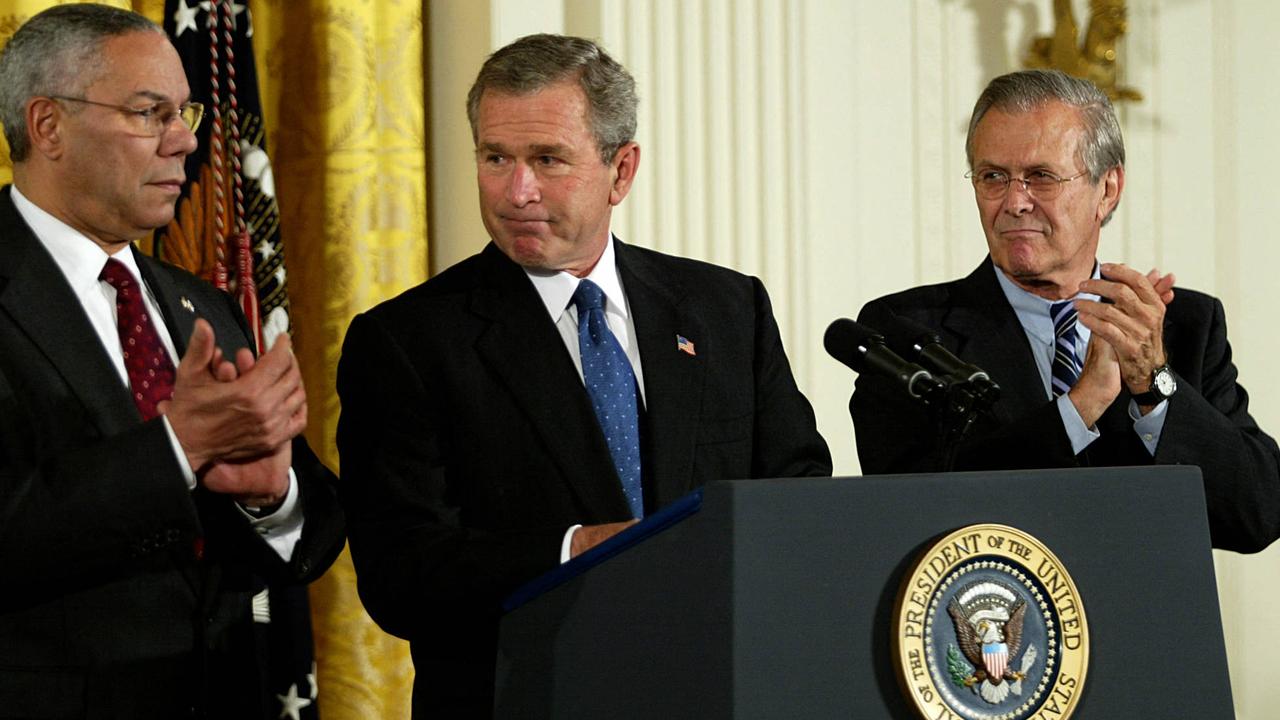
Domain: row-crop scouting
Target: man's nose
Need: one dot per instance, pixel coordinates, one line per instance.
(178, 140)
(1017, 197)
(523, 188)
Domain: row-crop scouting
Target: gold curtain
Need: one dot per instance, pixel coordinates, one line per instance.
(342, 94)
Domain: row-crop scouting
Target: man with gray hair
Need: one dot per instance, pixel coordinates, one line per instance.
(542, 395)
(152, 474)
(1099, 365)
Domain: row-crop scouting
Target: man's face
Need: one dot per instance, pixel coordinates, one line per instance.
(1046, 246)
(114, 183)
(545, 195)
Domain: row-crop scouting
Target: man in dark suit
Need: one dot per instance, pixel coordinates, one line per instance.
(1099, 365)
(144, 503)
(538, 397)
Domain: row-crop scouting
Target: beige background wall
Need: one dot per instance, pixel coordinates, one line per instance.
(820, 145)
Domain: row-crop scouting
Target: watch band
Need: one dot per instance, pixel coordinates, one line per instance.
(1148, 398)
(1153, 396)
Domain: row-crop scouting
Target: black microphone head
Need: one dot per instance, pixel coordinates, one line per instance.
(918, 343)
(907, 336)
(846, 340)
(863, 350)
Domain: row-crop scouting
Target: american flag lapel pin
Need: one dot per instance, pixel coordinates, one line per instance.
(685, 345)
(186, 303)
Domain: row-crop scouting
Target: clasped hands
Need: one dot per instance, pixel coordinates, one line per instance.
(1126, 344)
(235, 419)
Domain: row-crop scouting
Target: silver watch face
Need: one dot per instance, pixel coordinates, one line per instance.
(1164, 382)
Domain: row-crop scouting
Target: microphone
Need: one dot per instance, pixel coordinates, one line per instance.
(925, 346)
(922, 343)
(863, 350)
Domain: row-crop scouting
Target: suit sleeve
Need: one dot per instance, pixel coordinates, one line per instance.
(323, 527)
(78, 509)
(787, 443)
(420, 554)
(76, 512)
(897, 434)
(1211, 427)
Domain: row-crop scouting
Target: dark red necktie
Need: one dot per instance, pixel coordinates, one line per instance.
(149, 366)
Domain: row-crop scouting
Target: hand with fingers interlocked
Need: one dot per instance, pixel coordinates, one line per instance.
(1126, 344)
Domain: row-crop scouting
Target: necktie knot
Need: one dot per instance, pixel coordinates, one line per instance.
(1064, 317)
(116, 275)
(588, 297)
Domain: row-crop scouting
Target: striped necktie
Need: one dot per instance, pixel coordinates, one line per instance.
(1066, 365)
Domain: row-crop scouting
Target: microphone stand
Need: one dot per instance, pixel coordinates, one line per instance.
(957, 411)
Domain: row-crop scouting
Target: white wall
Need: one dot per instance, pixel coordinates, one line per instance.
(820, 145)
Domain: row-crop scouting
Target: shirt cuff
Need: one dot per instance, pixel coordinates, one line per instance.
(187, 473)
(282, 528)
(1079, 435)
(1149, 426)
(566, 545)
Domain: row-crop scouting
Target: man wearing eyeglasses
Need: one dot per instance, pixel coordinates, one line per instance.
(1098, 364)
(152, 472)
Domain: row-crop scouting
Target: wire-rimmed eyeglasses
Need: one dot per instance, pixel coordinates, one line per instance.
(152, 120)
(1039, 184)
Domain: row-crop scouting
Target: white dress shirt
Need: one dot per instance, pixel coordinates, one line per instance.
(556, 290)
(81, 261)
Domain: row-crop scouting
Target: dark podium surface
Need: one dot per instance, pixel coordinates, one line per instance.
(774, 598)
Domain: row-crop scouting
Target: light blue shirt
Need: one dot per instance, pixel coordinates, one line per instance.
(1033, 313)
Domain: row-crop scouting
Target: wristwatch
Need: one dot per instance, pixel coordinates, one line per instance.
(1163, 385)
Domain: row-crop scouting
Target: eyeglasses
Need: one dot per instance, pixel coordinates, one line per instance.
(152, 120)
(1039, 184)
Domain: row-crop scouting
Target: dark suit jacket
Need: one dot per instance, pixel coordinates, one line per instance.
(1207, 424)
(104, 610)
(469, 444)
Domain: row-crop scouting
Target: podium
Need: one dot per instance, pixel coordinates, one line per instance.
(775, 598)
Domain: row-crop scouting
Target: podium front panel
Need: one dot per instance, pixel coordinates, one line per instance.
(776, 599)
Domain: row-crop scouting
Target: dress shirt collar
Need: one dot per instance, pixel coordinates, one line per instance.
(80, 259)
(1033, 310)
(556, 288)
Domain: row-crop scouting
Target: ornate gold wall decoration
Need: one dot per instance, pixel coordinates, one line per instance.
(1095, 58)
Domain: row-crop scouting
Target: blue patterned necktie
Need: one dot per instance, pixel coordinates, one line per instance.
(612, 386)
(1066, 365)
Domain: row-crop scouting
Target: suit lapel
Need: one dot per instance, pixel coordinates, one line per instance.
(673, 379)
(35, 294)
(989, 335)
(179, 319)
(521, 346)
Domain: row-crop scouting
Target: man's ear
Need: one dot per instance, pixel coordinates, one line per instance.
(1112, 186)
(624, 166)
(45, 121)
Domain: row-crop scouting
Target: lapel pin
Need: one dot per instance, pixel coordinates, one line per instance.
(186, 303)
(685, 345)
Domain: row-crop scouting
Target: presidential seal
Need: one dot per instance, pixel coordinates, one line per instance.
(988, 625)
